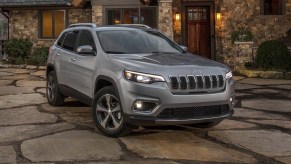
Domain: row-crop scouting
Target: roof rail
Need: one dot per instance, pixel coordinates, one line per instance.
(83, 25)
(135, 25)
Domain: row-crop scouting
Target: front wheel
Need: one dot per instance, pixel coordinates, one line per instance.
(107, 113)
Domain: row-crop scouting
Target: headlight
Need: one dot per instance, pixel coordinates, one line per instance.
(229, 75)
(142, 78)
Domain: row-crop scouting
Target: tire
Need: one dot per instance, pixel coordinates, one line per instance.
(109, 121)
(206, 125)
(53, 94)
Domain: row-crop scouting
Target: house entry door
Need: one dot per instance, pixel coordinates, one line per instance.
(198, 27)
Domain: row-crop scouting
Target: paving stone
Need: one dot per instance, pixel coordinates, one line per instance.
(280, 123)
(138, 162)
(270, 143)
(71, 146)
(15, 70)
(34, 78)
(42, 67)
(31, 67)
(249, 113)
(258, 81)
(5, 74)
(268, 105)
(23, 132)
(38, 73)
(16, 77)
(26, 83)
(286, 160)
(232, 124)
(240, 86)
(237, 94)
(7, 154)
(282, 86)
(265, 91)
(10, 101)
(41, 90)
(178, 145)
(237, 78)
(12, 90)
(25, 115)
(5, 82)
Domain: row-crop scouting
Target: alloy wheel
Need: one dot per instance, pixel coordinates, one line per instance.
(108, 112)
(51, 88)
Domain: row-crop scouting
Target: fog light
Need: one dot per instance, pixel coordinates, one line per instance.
(142, 106)
(231, 99)
(139, 105)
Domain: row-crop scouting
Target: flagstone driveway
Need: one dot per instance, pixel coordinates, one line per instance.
(33, 131)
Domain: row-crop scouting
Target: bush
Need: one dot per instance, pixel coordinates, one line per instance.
(14, 60)
(273, 54)
(16, 48)
(39, 56)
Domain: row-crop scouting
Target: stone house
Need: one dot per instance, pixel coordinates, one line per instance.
(204, 26)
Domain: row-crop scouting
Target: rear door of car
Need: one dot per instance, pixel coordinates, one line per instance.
(83, 66)
(67, 52)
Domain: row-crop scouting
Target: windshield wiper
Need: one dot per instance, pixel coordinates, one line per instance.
(115, 52)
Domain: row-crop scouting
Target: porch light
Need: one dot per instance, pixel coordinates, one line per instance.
(218, 14)
(177, 17)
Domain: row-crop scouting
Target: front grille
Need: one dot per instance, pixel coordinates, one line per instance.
(194, 112)
(198, 82)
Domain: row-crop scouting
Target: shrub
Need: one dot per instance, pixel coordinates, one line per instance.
(16, 48)
(39, 56)
(273, 54)
(14, 60)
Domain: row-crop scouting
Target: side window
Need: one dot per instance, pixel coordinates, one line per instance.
(61, 39)
(70, 40)
(86, 38)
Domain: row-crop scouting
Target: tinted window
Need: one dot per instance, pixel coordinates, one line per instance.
(86, 38)
(61, 39)
(136, 41)
(52, 23)
(272, 7)
(70, 40)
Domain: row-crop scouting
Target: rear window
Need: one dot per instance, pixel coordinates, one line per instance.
(61, 39)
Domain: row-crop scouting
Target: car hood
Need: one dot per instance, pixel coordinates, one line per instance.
(171, 62)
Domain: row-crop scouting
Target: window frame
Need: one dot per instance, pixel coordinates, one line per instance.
(40, 19)
(282, 7)
(121, 9)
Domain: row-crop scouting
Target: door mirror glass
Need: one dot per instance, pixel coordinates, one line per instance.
(184, 47)
(86, 50)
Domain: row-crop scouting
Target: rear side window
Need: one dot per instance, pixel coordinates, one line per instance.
(61, 39)
(86, 38)
(70, 40)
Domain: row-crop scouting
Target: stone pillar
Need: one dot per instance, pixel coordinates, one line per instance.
(244, 54)
(97, 15)
(165, 17)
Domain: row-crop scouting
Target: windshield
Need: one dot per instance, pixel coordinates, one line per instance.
(136, 42)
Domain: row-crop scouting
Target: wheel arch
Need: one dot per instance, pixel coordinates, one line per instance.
(104, 81)
(49, 68)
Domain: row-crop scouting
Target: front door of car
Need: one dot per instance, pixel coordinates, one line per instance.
(83, 66)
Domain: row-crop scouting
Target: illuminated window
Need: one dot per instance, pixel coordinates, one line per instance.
(273, 7)
(52, 23)
(144, 15)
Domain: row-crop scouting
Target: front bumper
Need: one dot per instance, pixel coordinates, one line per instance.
(154, 121)
(160, 93)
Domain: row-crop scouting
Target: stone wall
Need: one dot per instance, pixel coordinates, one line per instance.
(165, 20)
(28, 26)
(97, 15)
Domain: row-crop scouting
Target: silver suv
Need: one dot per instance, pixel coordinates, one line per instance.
(132, 75)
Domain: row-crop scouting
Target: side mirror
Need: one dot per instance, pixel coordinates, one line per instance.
(86, 50)
(184, 48)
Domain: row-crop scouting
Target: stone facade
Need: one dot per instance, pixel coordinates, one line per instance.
(236, 14)
(29, 27)
(165, 21)
(97, 15)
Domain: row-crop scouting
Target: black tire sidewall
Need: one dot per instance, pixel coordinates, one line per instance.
(58, 98)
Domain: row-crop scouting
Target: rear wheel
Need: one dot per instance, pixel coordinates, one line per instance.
(107, 113)
(53, 93)
(206, 125)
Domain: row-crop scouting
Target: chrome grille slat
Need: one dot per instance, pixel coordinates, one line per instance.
(197, 83)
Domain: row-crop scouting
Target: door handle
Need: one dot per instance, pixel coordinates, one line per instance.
(73, 59)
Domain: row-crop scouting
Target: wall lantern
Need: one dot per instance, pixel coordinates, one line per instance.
(218, 14)
(177, 17)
